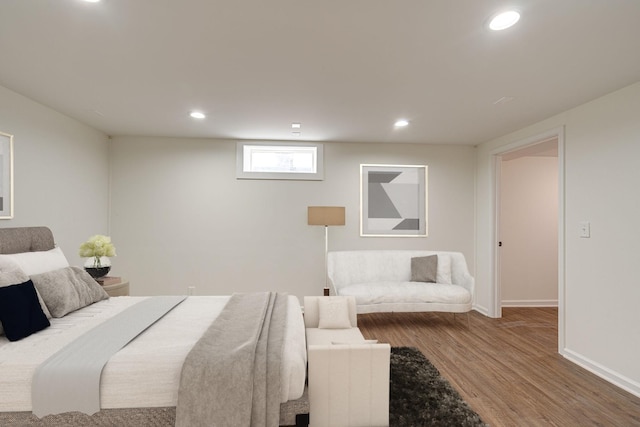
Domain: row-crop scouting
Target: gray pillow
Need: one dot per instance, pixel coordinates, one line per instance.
(15, 277)
(424, 268)
(67, 290)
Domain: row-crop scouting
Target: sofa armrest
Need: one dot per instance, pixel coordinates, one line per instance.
(349, 385)
(465, 280)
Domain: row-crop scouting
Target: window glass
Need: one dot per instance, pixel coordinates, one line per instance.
(280, 161)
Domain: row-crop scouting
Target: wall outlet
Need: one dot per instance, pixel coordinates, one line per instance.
(191, 290)
(585, 229)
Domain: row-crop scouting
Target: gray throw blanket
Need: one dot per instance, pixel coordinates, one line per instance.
(231, 377)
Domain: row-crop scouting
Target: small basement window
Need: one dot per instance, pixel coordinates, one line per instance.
(297, 161)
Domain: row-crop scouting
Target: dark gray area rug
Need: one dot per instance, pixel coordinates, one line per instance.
(420, 396)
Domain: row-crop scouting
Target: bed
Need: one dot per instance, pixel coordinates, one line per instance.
(140, 384)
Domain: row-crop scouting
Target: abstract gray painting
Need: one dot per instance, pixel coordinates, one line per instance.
(393, 200)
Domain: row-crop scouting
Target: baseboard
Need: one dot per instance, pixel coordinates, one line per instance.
(480, 309)
(603, 372)
(530, 303)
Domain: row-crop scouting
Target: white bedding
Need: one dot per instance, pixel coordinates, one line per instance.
(146, 373)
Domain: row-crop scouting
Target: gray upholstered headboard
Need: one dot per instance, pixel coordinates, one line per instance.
(25, 239)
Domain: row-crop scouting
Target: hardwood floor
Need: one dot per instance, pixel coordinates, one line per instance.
(509, 370)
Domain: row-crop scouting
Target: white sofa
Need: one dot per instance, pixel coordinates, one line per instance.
(380, 281)
(348, 377)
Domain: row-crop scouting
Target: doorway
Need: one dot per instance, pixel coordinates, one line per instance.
(531, 147)
(528, 226)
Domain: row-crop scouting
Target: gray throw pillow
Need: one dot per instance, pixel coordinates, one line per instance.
(424, 268)
(67, 290)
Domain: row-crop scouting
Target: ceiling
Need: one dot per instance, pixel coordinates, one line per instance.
(345, 70)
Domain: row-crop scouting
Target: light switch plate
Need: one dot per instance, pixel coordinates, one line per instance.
(585, 229)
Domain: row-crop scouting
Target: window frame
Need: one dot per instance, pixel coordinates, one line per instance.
(300, 176)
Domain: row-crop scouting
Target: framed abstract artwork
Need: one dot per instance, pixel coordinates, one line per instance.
(6, 176)
(393, 200)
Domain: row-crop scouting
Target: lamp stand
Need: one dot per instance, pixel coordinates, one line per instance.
(325, 216)
(326, 261)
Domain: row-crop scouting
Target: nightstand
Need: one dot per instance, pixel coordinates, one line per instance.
(117, 289)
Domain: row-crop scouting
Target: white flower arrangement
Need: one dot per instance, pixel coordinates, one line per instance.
(97, 246)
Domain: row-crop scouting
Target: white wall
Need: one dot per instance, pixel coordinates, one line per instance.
(61, 172)
(180, 217)
(601, 173)
(529, 231)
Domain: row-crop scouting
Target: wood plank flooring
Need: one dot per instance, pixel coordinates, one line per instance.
(509, 370)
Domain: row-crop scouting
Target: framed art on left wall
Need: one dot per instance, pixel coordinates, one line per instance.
(6, 176)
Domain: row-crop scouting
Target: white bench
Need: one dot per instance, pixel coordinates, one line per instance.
(348, 378)
(380, 281)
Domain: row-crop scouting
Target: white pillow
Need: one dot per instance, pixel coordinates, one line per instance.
(443, 273)
(333, 313)
(38, 262)
(8, 265)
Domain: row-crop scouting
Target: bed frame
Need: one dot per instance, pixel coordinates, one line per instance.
(34, 239)
(25, 239)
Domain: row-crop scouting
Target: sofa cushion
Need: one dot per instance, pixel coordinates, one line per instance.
(406, 292)
(444, 269)
(424, 268)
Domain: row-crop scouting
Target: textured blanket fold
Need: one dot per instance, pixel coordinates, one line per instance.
(70, 379)
(231, 377)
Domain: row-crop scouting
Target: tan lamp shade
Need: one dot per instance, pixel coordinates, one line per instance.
(325, 215)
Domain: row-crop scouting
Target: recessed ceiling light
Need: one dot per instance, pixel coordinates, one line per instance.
(504, 20)
(92, 1)
(295, 125)
(401, 123)
(197, 115)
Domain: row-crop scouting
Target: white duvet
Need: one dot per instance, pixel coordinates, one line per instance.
(146, 373)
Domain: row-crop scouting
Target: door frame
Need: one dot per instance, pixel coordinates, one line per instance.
(557, 133)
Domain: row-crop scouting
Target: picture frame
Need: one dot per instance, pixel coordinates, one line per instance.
(393, 200)
(6, 176)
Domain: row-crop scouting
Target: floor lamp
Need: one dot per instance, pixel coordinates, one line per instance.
(325, 215)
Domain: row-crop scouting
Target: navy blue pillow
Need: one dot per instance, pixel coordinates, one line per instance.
(20, 311)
